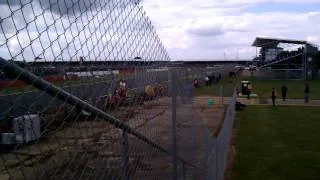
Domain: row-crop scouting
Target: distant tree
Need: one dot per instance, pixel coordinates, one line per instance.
(37, 58)
(81, 59)
(137, 57)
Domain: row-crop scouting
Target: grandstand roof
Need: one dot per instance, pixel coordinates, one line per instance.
(273, 42)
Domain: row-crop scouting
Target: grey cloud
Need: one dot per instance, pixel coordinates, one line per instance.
(71, 7)
(314, 18)
(60, 7)
(214, 30)
(206, 31)
(129, 31)
(11, 2)
(18, 20)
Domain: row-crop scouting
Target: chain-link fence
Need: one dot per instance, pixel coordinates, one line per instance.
(87, 92)
(280, 74)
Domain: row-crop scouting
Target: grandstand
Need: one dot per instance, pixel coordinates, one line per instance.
(284, 58)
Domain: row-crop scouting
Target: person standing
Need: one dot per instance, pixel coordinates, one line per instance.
(219, 78)
(124, 85)
(207, 80)
(196, 83)
(249, 89)
(238, 91)
(284, 90)
(120, 83)
(273, 96)
(306, 93)
(211, 79)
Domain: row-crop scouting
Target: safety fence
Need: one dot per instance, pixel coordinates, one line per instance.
(162, 138)
(265, 73)
(217, 149)
(66, 112)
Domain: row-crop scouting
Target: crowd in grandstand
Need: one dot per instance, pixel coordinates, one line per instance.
(286, 54)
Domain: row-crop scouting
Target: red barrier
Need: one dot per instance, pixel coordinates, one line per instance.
(126, 71)
(52, 78)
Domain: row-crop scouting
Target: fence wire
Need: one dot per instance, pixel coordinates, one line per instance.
(87, 92)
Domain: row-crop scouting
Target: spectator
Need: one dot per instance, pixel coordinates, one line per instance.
(284, 90)
(122, 84)
(219, 78)
(211, 79)
(306, 93)
(195, 83)
(249, 89)
(239, 106)
(238, 91)
(273, 96)
(232, 74)
(207, 80)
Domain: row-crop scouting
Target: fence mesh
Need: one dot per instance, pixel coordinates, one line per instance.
(87, 92)
(97, 51)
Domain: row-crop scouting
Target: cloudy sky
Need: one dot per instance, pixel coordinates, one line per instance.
(218, 29)
(119, 29)
(63, 30)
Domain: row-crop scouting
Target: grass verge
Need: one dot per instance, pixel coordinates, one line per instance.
(263, 87)
(277, 143)
(295, 87)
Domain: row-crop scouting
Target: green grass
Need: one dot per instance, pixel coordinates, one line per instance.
(264, 87)
(214, 90)
(277, 143)
(295, 87)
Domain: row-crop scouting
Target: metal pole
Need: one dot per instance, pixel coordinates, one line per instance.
(303, 64)
(174, 116)
(125, 156)
(206, 153)
(184, 171)
(217, 158)
(221, 95)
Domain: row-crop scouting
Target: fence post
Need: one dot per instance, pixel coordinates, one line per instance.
(125, 156)
(206, 154)
(174, 116)
(184, 171)
(217, 158)
(221, 95)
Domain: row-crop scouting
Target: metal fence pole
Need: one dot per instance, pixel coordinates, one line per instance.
(184, 171)
(174, 116)
(125, 155)
(217, 158)
(206, 154)
(221, 95)
(212, 162)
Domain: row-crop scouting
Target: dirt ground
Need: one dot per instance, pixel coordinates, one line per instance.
(249, 73)
(212, 115)
(93, 150)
